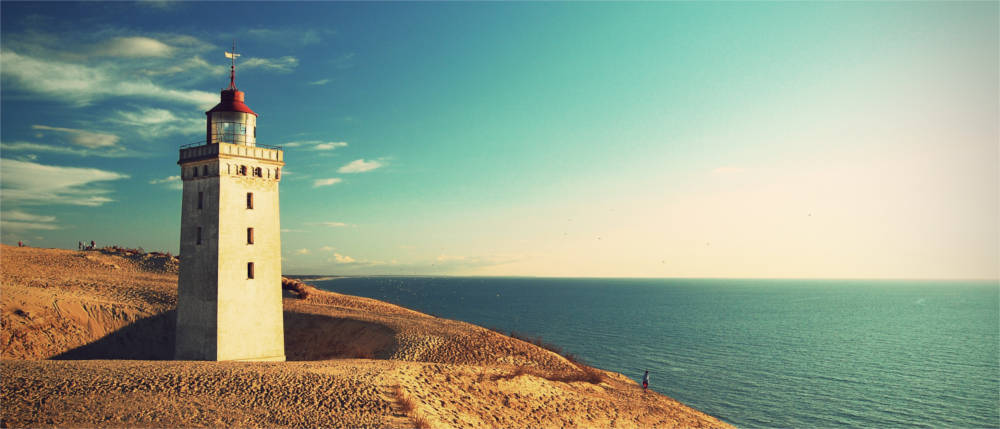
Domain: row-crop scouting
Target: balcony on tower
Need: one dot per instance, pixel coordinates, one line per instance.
(204, 150)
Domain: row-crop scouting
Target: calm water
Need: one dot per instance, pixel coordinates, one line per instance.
(756, 353)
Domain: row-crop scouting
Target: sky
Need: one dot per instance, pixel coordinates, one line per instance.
(731, 139)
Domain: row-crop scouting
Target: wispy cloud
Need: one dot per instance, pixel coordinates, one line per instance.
(152, 122)
(330, 145)
(342, 259)
(135, 47)
(315, 144)
(195, 64)
(326, 248)
(282, 64)
(334, 224)
(21, 146)
(359, 166)
(319, 82)
(15, 220)
(172, 182)
(22, 216)
(88, 139)
(32, 183)
(302, 252)
(327, 182)
(81, 84)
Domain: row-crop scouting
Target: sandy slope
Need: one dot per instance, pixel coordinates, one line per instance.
(100, 309)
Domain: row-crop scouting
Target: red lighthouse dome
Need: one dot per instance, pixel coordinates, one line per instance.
(231, 121)
(231, 101)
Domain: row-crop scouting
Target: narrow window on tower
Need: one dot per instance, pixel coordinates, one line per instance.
(277, 173)
(204, 170)
(199, 236)
(201, 199)
(195, 171)
(257, 172)
(249, 200)
(249, 235)
(249, 270)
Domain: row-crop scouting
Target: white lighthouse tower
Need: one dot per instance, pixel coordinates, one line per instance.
(229, 287)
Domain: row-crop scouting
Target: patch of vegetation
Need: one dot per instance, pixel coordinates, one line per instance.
(538, 341)
(583, 372)
(298, 287)
(406, 406)
(420, 422)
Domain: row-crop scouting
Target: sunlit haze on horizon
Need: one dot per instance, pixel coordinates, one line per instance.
(761, 140)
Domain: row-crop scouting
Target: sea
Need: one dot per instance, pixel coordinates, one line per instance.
(754, 353)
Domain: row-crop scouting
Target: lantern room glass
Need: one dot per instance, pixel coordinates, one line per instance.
(231, 132)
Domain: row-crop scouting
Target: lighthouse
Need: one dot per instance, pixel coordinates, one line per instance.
(229, 286)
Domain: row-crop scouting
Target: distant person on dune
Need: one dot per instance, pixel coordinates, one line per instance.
(645, 381)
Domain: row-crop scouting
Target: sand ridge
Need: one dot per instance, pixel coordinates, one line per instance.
(353, 362)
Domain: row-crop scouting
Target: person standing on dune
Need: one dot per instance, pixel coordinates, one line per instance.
(645, 381)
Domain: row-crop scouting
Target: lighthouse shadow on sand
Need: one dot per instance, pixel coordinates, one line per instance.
(307, 337)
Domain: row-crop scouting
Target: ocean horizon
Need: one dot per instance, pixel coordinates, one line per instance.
(753, 352)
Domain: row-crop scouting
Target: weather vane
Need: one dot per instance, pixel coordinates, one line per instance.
(232, 66)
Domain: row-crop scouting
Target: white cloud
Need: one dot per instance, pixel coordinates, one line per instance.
(15, 220)
(330, 145)
(135, 47)
(88, 139)
(302, 252)
(22, 216)
(21, 146)
(33, 183)
(81, 84)
(327, 182)
(23, 226)
(319, 82)
(334, 224)
(282, 65)
(359, 166)
(342, 259)
(152, 122)
(315, 144)
(326, 248)
(147, 116)
(195, 64)
(172, 182)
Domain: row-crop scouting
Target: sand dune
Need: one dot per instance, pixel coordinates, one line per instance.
(87, 338)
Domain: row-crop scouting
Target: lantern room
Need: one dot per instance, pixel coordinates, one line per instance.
(231, 121)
